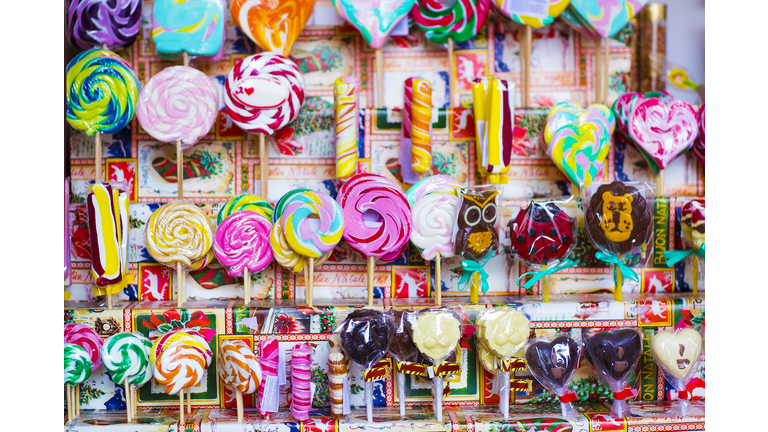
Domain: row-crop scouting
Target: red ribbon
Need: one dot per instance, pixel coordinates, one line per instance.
(684, 394)
(569, 397)
(627, 393)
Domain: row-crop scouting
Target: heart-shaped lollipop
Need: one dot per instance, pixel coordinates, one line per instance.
(698, 146)
(553, 362)
(614, 354)
(374, 19)
(508, 9)
(606, 17)
(624, 104)
(677, 353)
(578, 153)
(572, 113)
(274, 25)
(663, 129)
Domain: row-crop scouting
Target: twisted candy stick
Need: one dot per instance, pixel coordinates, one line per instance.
(337, 371)
(392, 227)
(284, 253)
(193, 26)
(179, 233)
(87, 338)
(405, 156)
(300, 377)
(238, 366)
(242, 241)
(346, 91)
(501, 122)
(93, 23)
(264, 92)
(268, 359)
(460, 20)
(305, 239)
(179, 103)
(104, 226)
(434, 216)
(245, 202)
(421, 126)
(101, 92)
(274, 25)
(435, 183)
(124, 356)
(77, 364)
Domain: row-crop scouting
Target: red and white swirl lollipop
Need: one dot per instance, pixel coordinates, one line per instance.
(377, 219)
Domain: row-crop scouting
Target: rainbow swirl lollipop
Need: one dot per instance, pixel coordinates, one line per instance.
(101, 92)
(460, 20)
(310, 240)
(245, 202)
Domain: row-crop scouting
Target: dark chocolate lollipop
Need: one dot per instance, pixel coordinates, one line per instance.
(365, 336)
(476, 233)
(401, 347)
(553, 362)
(614, 354)
(617, 218)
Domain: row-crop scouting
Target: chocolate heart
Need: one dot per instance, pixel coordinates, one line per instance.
(614, 354)
(552, 363)
(663, 129)
(677, 353)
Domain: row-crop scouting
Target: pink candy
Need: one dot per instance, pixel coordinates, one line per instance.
(663, 128)
(300, 379)
(268, 356)
(377, 216)
(698, 146)
(87, 338)
(242, 241)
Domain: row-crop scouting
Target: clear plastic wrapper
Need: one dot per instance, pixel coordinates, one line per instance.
(614, 356)
(618, 220)
(552, 361)
(401, 347)
(678, 354)
(543, 235)
(692, 227)
(94, 23)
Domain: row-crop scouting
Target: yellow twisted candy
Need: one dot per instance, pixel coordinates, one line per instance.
(347, 93)
(179, 232)
(421, 126)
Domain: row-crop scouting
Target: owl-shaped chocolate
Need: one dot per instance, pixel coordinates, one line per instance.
(476, 233)
(617, 218)
(692, 223)
(542, 233)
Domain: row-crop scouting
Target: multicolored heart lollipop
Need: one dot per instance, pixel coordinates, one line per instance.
(273, 25)
(374, 19)
(544, 16)
(603, 17)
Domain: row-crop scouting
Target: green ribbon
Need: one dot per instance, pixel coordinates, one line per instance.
(675, 256)
(540, 274)
(470, 268)
(613, 259)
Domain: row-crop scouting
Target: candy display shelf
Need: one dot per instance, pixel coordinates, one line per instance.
(655, 416)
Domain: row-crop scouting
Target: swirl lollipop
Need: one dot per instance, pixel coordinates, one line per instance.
(110, 24)
(87, 338)
(245, 202)
(101, 95)
(181, 365)
(263, 93)
(179, 104)
(434, 217)
(377, 219)
(239, 369)
(273, 25)
(286, 256)
(179, 234)
(435, 183)
(189, 27)
(124, 356)
(77, 369)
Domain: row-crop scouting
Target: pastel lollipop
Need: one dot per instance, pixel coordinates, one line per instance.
(663, 129)
(242, 246)
(434, 217)
(536, 18)
(125, 356)
(93, 23)
(459, 20)
(87, 338)
(239, 369)
(285, 255)
(435, 183)
(346, 91)
(377, 219)
(192, 26)
(273, 25)
(245, 202)
(77, 369)
(678, 356)
(177, 235)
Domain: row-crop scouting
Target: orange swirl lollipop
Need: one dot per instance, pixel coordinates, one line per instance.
(273, 24)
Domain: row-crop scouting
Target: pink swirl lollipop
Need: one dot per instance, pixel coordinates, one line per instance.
(264, 92)
(87, 338)
(242, 242)
(663, 129)
(178, 104)
(300, 378)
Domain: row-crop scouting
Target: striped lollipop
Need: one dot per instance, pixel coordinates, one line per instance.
(86, 338)
(124, 356)
(239, 369)
(245, 202)
(77, 364)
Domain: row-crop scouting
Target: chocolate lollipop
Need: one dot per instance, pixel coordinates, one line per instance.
(402, 348)
(677, 354)
(614, 355)
(552, 362)
(476, 237)
(618, 221)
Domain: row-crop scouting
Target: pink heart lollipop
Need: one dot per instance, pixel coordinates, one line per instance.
(242, 241)
(663, 129)
(698, 146)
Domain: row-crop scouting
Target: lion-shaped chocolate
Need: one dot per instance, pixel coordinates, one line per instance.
(618, 217)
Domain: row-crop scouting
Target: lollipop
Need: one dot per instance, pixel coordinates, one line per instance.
(618, 222)
(421, 126)
(542, 236)
(377, 219)
(337, 374)
(435, 183)
(494, 105)
(190, 27)
(553, 362)
(77, 369)
(434, 217)
(108, 230)
(179, 234)
(263, 93)
(268, 392)
(346, 92)
(365, 337)
(300, 379)
(402, 348)
(275, 25)
(286, 256)
(405, 153)
(181, 365)
(124, 356)
(141, 378)
(678, 356)
(241, 244)
(614, 355)
(87, 338)
(111, 24)
(476, 237)
(692, 227)
(246, 202)
(239, 370)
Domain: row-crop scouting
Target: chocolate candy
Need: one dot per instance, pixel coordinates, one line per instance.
(365, 336)
(614, 354)
(677, 353)
(553, 362)
(401, 347)
(617, 218)
(542, 233)
(476, 233)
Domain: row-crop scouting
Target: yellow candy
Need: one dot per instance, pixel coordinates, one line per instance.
(179, 233)
(421, 126)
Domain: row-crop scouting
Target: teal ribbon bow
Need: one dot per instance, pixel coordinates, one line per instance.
(624, 269)
(471, 267)
(540, 274)
(675, 256)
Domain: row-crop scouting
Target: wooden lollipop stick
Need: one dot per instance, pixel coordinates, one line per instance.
(528, 50)
(68, 392)
(310, 280)
(239, 396)
(189, 401)
(370, 280)
(127, 399)
(247, 283)
(186, 58)
(438, 291)
(179, 170)
(521, 44)
(179, 289)
(606, 62)
(77, 400)
(134, 402)
(451, 80)
(181, 407)
(97, 157)
(264, 166)
(380, 77)
(575, 190)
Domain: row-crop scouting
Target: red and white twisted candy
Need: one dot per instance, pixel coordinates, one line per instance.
(264, 92)
(238, 366)
(268, 356)
(87, 338)
(179, 103)
(301, 360)
(179, 366)
(389, 230)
